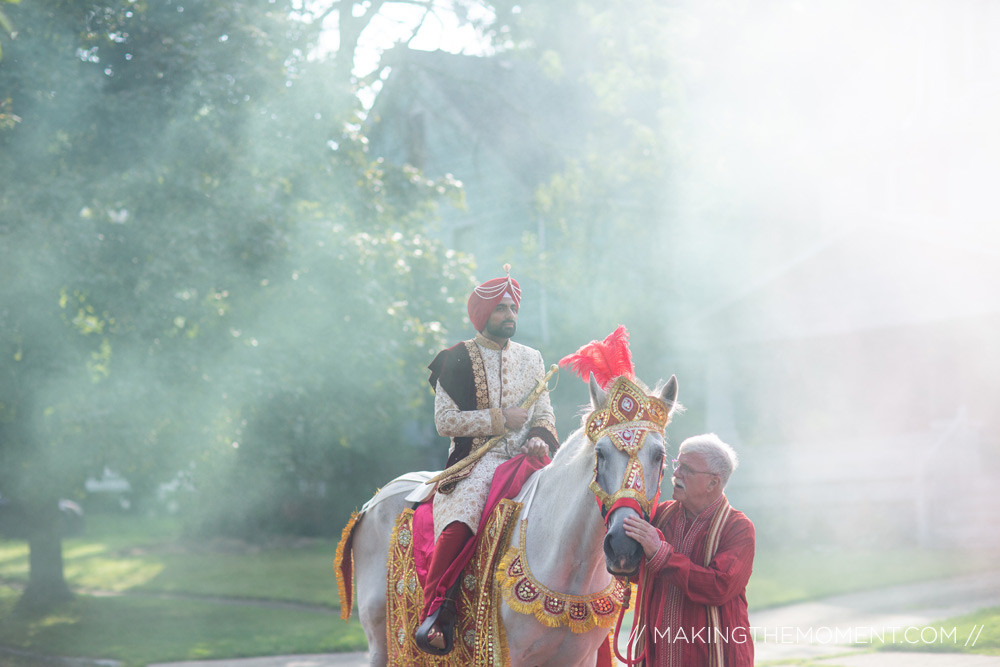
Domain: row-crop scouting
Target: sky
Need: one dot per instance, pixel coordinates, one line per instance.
(395, 23)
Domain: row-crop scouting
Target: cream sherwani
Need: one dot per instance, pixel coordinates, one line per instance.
(510, 373)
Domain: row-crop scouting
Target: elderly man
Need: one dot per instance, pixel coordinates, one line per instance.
(479, 385)
(699, 553)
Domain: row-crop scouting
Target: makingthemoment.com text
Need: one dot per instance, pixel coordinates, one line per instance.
(819, 635)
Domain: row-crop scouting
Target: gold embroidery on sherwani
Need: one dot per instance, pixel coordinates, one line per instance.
(479, 381)
(479, 376)
(548, 426)
(520, 367)
(497, 420)
(481, 385)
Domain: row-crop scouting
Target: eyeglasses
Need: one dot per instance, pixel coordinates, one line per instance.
(686, 470)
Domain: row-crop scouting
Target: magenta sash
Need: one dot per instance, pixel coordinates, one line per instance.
(507, 482)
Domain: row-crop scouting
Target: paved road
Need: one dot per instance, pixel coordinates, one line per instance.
(902, 615)
(330, 660)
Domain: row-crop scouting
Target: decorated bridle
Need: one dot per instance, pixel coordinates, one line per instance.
(627, 420)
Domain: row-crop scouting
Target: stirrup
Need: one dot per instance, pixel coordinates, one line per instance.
(444, 617)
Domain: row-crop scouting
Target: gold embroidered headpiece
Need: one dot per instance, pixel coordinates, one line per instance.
(629, 417)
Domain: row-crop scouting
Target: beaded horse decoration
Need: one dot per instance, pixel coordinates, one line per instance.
(523, 605)
(628, 418)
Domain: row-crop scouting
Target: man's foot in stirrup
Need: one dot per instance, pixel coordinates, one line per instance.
(436, 638)
(435, 634)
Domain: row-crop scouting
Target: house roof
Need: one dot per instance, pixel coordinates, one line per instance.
(858, 281)
(507, 105)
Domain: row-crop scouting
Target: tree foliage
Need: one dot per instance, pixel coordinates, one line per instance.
(204, 277)
(207, 281)
(611, 209)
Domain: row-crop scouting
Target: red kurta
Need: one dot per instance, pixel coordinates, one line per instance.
(682, 588)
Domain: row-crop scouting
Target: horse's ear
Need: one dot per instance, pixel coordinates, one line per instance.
(669, 393)
(597, 395)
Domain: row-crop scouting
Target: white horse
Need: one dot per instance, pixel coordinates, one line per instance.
(569, 547)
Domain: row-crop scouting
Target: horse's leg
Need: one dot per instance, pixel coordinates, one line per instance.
(531, 643)
(371, 550)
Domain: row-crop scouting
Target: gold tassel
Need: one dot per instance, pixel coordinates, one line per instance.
(343, 587)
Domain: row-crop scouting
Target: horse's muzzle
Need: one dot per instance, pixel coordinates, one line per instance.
(622, 554)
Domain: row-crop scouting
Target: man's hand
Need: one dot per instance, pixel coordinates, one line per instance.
(535, 447)
(514, 418)
(643, 532)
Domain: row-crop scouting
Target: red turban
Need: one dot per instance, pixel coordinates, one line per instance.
(484, 299)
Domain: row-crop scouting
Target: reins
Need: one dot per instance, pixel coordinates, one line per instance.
(629, 416)
(638, 622)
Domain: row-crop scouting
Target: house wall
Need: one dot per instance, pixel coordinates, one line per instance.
(418, 123)
(887, 436)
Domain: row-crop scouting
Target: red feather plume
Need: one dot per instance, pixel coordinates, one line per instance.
(606, 359)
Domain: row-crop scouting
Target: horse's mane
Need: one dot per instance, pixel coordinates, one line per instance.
(572, 447)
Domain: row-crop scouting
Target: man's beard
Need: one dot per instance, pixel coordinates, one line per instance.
(501, 331)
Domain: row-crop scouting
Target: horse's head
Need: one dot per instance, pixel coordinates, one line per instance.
(627, 429)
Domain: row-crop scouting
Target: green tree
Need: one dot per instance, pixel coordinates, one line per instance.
(638, 196)
(6, 25)
(204, 277)
(611, 209)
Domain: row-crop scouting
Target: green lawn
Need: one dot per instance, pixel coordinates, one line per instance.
(978, 632)
(139, 559)
(781, 578)
(126, 554)
(140, 630)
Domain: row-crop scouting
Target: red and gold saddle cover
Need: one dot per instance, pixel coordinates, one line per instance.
(479, 635)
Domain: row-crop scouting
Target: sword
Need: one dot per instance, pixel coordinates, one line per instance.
(528, 401)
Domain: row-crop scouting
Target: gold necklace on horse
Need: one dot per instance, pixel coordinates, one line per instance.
(581, 613)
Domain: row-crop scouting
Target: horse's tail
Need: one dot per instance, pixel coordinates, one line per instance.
(343, 566)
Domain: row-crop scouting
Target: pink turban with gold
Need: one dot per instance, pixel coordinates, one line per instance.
(484, 299)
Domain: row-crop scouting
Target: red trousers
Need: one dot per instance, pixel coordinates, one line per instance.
(451, 541)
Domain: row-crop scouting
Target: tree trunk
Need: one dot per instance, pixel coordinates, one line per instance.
(46, 581)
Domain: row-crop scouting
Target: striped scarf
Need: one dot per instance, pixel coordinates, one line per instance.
(675, 600)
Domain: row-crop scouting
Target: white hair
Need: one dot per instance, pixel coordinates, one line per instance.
(720, 458)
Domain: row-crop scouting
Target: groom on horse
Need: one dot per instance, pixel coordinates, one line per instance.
(479, 385)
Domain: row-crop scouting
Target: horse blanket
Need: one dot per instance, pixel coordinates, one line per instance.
(479, 634)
